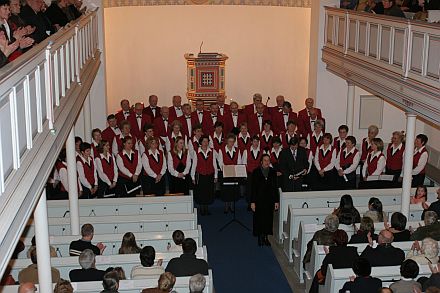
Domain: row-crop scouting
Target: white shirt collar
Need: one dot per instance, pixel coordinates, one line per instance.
(105, 157)
(267, 135)
(230, 151)
(207, 150)
(150, 152)
(419, 150)
(320, 134)
(275, 151)
(218, 137)
(245, 137)
(350, 152)
(124, 152)
(84, 159)
(173, 135)
(374, 155)
(398, 148)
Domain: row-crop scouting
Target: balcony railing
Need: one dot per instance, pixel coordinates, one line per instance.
(32, 87)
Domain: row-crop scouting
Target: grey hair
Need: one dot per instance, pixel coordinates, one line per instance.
(373, 128)
(87, 259)
(197, 283)
(257, 95)
(430, 217)
(430, 247)
(331, 223)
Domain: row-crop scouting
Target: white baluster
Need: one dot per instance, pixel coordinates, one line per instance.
(27, 111)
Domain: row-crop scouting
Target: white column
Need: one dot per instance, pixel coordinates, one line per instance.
(42, 243)
(408, 162)
(73, 182)
(350, 106)
(87, 120)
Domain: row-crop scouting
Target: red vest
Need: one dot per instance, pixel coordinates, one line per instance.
(285, 137)
(156, 166)
(60, 165)
(372, 164)
(346, 161)
(266, 141)
(416, 159)
(314, 143)
(108, 167)
(95, 151)
(205, 165)
(129, 164)
(227, 160)
(365, 149)
(337, 144)
(218, 143)
(395, 162)
(177, 161)
(274, 158)
(252, 162)
(195, 144)
(89, 170)
(242, 144)
(119, 141)
(324, 161)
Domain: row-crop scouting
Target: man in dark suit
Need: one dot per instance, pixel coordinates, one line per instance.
(186, 120)
(363, 282)
(280, 119)
(222, 107)
(187, 264)
(384, 254)
(293, 161)
(256, 120)
(137, 121)
(152, 109)
(125, 111)
(32, 15)
(252, 108)
(304, 115)
(88, 272)
(176, 109)
(233, 119)
(210, 118)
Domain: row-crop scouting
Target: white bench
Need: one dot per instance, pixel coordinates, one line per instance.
(122, 224)
(159, 240)
(124, 206)
(126, 261)
(318, 215)
(305, 234)
(331, 198)
(129, 286)
(336, 278)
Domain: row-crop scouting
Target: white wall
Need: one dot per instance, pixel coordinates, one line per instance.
(268, 49)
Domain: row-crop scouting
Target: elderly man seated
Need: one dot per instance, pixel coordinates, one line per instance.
(30, 274)
(431, 228)
(384, 254)
(88, 271)
(87, 232)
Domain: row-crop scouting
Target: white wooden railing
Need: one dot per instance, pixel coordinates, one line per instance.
(32, 87)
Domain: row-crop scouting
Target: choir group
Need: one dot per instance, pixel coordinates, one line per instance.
(158, 150)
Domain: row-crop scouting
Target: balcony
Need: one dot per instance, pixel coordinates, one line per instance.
(41, 95)
(394, 58)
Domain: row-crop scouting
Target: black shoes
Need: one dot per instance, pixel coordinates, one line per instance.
(266, 241)
(263, 241)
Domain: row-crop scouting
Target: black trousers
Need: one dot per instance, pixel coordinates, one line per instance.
(128, 186)
(149, 185)
(418, 180)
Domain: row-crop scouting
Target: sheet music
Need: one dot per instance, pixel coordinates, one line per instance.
(234, 171)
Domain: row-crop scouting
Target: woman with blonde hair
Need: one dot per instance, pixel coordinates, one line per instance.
(179, 167)
(155, 166)
(427, 254)
(165, 284)
(129, 245)
(374, 164)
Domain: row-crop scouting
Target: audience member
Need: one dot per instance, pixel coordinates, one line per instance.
(187, 264)
(425, 255)
(27, 287)
(385, 290)
(433, 281)
(77, 246)
(391, 9)
(110, 282)
(121, 273)
(63, 286)
(129, 245)
(431, 228)
(88, 271)
(32, 14)
(178, 238)
(53, 252)
(165, 284)
(346, 212)
(398, 227)
(147, 267)
(384, 254)
(197, 283)
(366, 228)
(420, 196)
(435, 206)
(30, 274)
(56, 13)
(375, 210)
(409, 270)
(362, 282)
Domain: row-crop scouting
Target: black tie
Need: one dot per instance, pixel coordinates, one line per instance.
(138, 116)
(260, 115)
(165, 119)
(286, 114)
(126, 113)
(234, 115)
(188, 117)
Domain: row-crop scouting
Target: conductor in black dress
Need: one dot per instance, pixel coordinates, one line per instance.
(293, 161)
(265, 199)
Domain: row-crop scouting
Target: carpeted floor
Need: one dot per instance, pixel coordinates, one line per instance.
(238, 263)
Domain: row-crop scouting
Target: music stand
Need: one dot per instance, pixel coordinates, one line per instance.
(233, 175)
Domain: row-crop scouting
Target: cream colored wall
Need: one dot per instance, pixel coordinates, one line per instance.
(268, 49)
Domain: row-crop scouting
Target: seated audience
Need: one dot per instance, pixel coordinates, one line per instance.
(197, 283)
(110, 283)
(147, 267)
(129, 245)
(384, 254)
(28, 287)
(431, 228)
(56, 13)
(53, 252)
(391, 9)
(433, 281)
(324, 236)
(77, 246)
(339, 256)
(121, 273)
(32, 14)
(375, 210)
(435, 206)
(346, 212)
(362, 282)
(366, 228)
(88, 271)
(398, 224)
(425, 255)
(421, 195)
(409, 270)
(30, 274)
(178, 238)
(63, 286)
(165, 284)
(187, 264)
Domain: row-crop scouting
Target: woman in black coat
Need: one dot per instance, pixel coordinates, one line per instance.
(265, 199)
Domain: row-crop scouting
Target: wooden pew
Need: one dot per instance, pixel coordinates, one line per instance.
(126, 261)
(129, 286)
(336, 278)
(331, 198)
(122, 224)
(124, 206)
(318, 215)
(159, 240)
(305, 234)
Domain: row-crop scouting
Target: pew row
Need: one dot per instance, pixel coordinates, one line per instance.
(305, 234)
(126, 261)
(331, 199)
(159, 240)
(318, 215)
(336, 278)
(121, 224)
(129, 286)
(124, 206)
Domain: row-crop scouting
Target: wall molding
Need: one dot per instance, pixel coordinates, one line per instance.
(281, 3)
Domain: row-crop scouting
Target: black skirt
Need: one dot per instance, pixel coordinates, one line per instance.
(204, 190)
(180, 185)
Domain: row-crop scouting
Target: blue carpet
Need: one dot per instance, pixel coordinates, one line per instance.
(237, 262)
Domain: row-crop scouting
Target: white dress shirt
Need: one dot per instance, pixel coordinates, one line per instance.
(146, 163)
(123, 169)
(100, 169)
(205, 154)
(81, 174)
